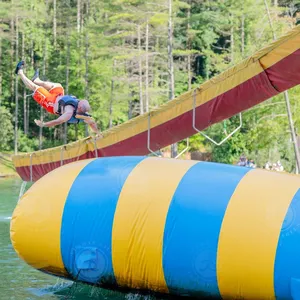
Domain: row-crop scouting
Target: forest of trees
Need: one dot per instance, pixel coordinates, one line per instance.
(130, 56)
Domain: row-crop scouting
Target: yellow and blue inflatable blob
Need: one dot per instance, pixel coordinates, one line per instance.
(170, 226)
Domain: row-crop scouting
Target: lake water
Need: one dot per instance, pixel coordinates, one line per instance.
(20, 281)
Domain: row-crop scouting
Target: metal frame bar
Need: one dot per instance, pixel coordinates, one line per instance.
(148, 138)
(30, 168)
(185, 149)
(62, 148)
(206, 136)
(95, 145)
(29, 95)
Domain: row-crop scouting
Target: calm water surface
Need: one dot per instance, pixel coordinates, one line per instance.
(20, 281)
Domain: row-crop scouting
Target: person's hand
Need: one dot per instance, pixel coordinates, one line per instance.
(39, 123)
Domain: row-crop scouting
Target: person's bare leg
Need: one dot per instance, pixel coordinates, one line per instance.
(46, 84)
(28, 83)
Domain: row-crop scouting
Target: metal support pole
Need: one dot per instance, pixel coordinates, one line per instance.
(292, 128)
(96, 149)
(148, 137)
(62, 148)
(185, 149)
(30, 168)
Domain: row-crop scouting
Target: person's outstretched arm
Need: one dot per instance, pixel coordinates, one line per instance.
(65, 117)
(93, 126)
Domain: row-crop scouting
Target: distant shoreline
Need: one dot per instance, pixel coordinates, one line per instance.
(7, 169)
(6, 176)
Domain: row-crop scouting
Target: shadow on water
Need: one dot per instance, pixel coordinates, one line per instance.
(80, 291)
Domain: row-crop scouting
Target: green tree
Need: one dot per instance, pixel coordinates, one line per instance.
(6, 130)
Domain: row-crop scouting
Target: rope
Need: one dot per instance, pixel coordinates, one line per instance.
(22, 189)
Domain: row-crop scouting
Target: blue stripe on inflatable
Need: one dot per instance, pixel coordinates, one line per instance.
(287, 262)
(193, 226)
(88, 219)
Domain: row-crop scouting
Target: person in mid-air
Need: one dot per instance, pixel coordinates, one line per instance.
(51, 97)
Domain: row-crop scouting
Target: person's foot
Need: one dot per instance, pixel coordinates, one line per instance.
(36, 75)
(20, 66)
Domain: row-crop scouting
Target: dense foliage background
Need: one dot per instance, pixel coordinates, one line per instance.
(115, 54)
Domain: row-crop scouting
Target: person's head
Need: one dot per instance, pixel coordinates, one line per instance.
(243, 157)
(83, 106)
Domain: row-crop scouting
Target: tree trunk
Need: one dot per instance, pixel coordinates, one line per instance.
(81, 22)
(79, 28)
(42, 109)
(78, 15)
(171, 67)
(147, 69)
(154, 69)
(170, 53)
(287, 102)
(112, 96)
(189, 72)
(86, 91)
(25, 111)
(16, 90)
(44, 78)
(86, 56)
(32, 65)
(189, 48)
(65, 131)
(129, 109)
(12, 30)
(54, 23)
(270, 20)
(243, 35)
(231, 41)
(79, 40)
(0, 71)
(130, 92)
(140, 70)
(24, 90)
